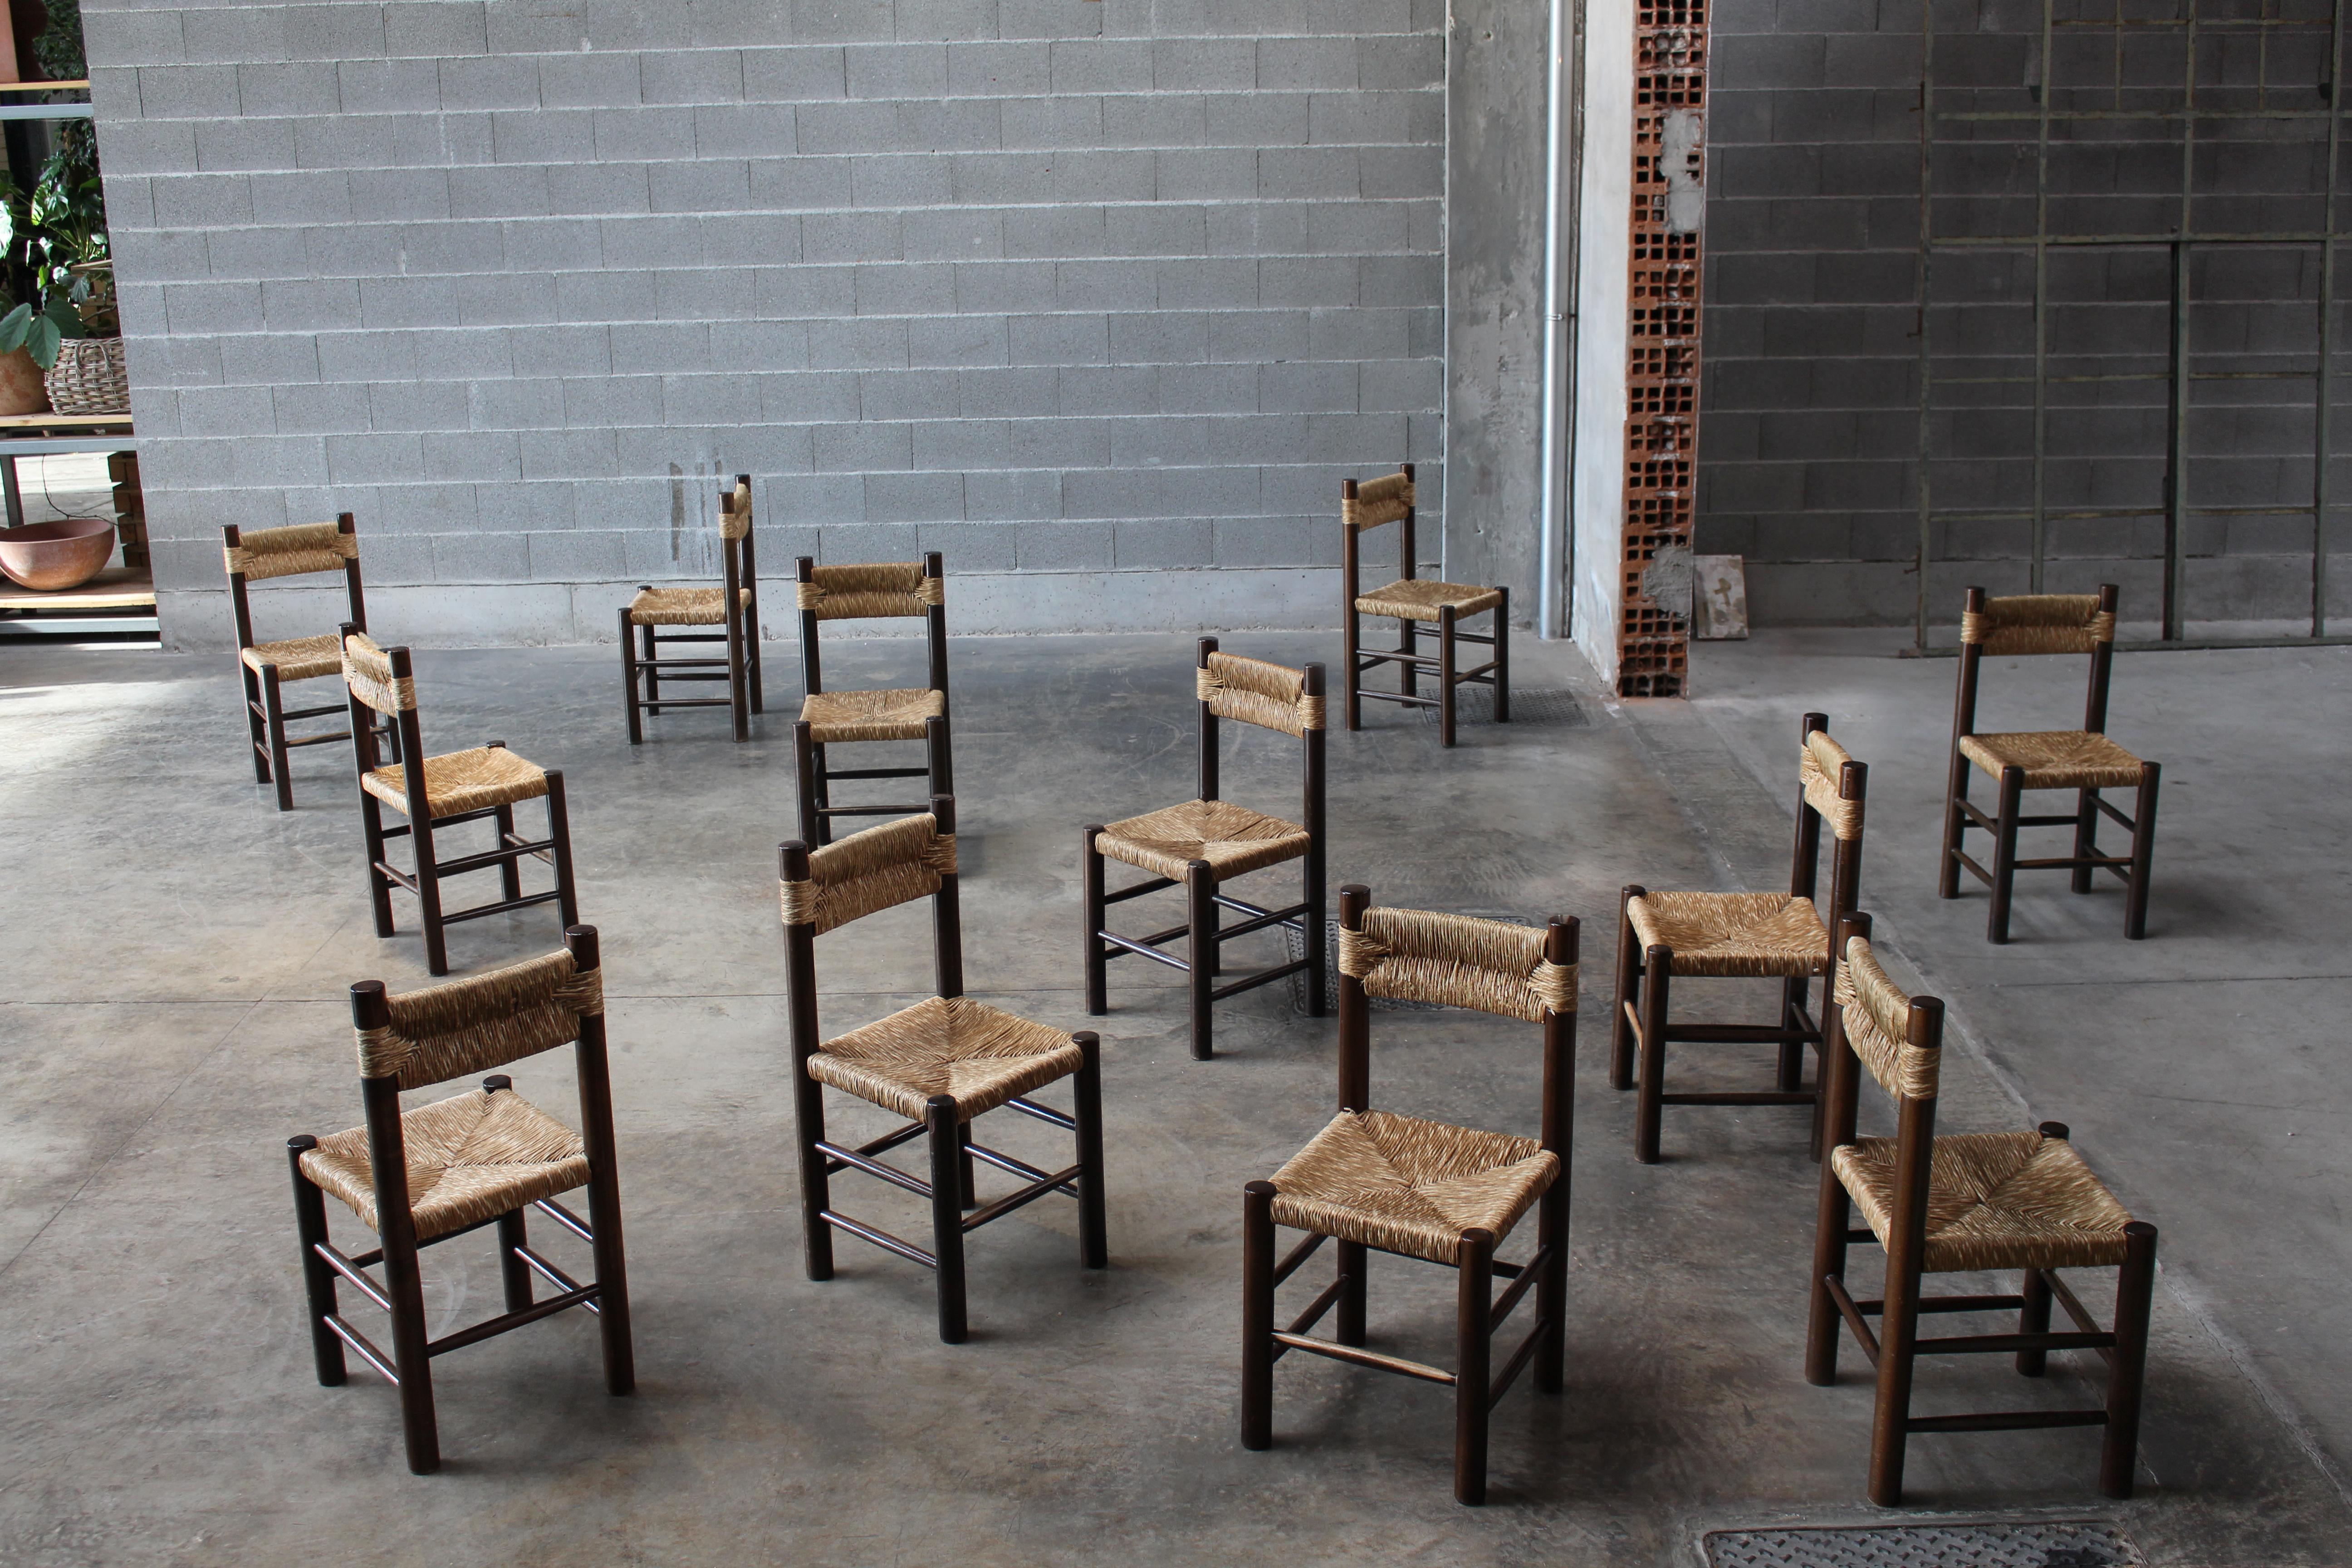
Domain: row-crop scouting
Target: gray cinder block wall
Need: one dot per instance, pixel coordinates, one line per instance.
(1811, 433)
(1099, 299)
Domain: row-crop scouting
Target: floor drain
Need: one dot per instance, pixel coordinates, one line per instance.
(1294, 948)
(1914, 1546)
(1536, 705)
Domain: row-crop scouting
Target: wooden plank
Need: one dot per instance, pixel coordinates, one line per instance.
(83, 423)
(116, 588)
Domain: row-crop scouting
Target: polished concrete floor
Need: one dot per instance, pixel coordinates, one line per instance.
(178, 955)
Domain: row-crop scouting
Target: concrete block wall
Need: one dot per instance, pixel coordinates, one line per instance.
(1811, 433)
(1068, 290)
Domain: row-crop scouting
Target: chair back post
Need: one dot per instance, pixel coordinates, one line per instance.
(1804, 866)
(1964, 709)
(2103, 658)
(231, 538)
(347, 525)
(1208, 739)
(947, 910)
(594, 1069)
(800, 972)
(935, 625)
(732, 573)
(1841, 1068)
(1313, 805)
(387, 1150)
(1845, 858)
(411, 753)
(751, 525)
(1355, 1009)
(812, 677)
(594, 1065)
(1406, 552)
(1350, 544)
(364, 751)
(1915, 1138)
(1563, 942)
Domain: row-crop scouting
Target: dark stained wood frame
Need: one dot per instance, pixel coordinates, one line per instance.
(1408, 659)
(1960, 814)
(1478, 1312)
(644, 668)
(424, 881)
(816, 778)
(265, 713)
(1202, 900)
(1640, 1021)
(950, 1187)
(1893, 1349)
(400, 1293)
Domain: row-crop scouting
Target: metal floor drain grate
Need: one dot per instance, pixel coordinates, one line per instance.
(1529, 705)
(1926, 1546)
(1294, 948)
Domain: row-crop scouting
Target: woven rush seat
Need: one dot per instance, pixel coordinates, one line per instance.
(2055, 759)
(1752, 935)
(682, 606)
(946, 1045)
(461, 782)
(1232, 840)
(297, 658)
(897, 715)
(1996, 1200)
(471, 1157)
(1405, 1185)
(1420, 599)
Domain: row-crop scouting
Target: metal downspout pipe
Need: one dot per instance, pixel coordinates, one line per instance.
(1556, 557)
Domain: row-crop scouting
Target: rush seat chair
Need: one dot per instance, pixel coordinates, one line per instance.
(733, 607)
(877, 590)
(303, 550)
(1377, 1181)
(1409, 601)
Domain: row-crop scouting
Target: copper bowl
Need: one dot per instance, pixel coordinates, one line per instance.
(44, 557)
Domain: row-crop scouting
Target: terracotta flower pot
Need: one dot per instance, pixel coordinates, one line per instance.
(44, 557)
(23, 386)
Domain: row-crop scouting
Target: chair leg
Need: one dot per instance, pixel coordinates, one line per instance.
(629, 677)
(1085, 1093)
(2034, 1318)
(1474, 1341)
(1502, 658)
(751, 662)
(966, 1179)
(1649, 1111)
(510, 871)
(1200, 898)
(1408, 644)
(1956, 794)
(1317, 959)
(1446, 663)
(804, 781)
(611, 1277)
(2135, 1295)
(822, 788)
(559, 828)
(1823, 1323)
(514, 1274)
(256, 728)
(816, 1197)
(428, 896)
(1789, 1075)
(1257, 1315)
(2004, 853)
(1349, 1326)
(649, 651)
(274, 701)
(1351, 675)
(1898, 1340)
(739, 695)
(2086, 836)
(938, 755)
(1551, 1289)
(317, 1279)
(947, 1213)
(2143, 853)
(411, 1359)
(1098, 967)
(379, 885)
(1629, 994)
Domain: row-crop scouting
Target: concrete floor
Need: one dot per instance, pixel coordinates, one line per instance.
(173, 1009)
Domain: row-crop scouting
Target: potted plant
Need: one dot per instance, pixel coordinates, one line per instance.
(56, 242)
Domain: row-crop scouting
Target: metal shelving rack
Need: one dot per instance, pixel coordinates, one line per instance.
(2198, 25)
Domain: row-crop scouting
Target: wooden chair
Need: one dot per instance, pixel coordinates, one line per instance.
(2084, 760)
(1783, 936)
(1409, 600)
(1204, 844)
(300, 551)
(940, 1063)
(420, 1177)
(443, 792)
(878, 590)
(1378, 1182)
(1963, 1202)
(734, 607)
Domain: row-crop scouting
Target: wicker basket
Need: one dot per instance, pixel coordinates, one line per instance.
(90, 378)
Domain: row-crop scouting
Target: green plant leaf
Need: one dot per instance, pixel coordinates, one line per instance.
(14, 329)
(44, 343)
